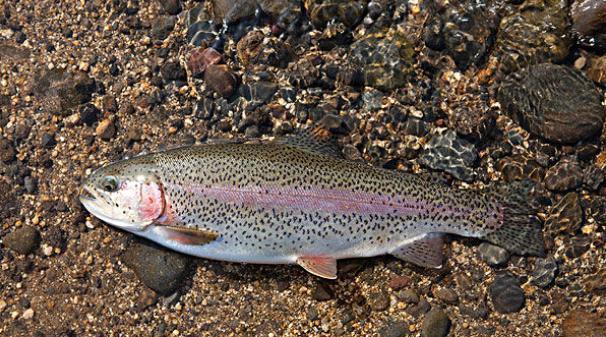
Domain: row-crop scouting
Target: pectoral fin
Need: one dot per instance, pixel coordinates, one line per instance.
(186, 235)
(426, 251)
(321, 266)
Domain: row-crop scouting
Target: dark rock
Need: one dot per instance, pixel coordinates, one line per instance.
(378, 301)
(231, 11)
(588, 23)
(20, 37)
(506, 294)
(202, 33)
(447, 152)
(322, 292)
(346, 12)
(22, 240)
(386, 59)
(60, 90)
(536, 33)
(7, 151)
(394, 329)
(554, 102)
(597, 69)
(593, 177)
(493, 255)
(520, 167)
(256, 48)
(48, 141)
(415, 126)
(30, 184)
(220, 78)
(158, 268)
(408, 296)
(579, 246)
(446, 295)
(89, 114)
(263, 91)
(421, 308)
(583, 323)
(435, 324)
(172, 7)
(565, 175)
(199, 59)
(163, 26)
(284, 13)
(566, 215)
(544, 272)
(110, 104)
(172, 71)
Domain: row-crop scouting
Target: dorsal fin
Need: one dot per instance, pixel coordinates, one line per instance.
(426, 251)
(318, 139)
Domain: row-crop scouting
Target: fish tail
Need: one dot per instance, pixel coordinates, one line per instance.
(520, 229)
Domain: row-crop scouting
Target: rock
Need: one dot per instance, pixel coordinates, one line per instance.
(230, 11)
(172, 7)
(435, 324)
(447, 152)
(394, 329)
(262, 91)
(565, 175)
(202, 33)
(346, 12)
(415, 126)
(536, 33)
(60, 90)
(256, 48)
(284, 13)
(554, 102)
(220, 78)
(20, 37)
(386, 59)
(506, 294)
(163, 26)
(398, 282)
(158, 268)
(408, 296)
(199, 59)
(520, 167)
(544, 272)
(446, 295)
(106, 129)
(465, 29)
(322, 292)
(172, 71)
(89, 114)
(566, 215)
(593, 177)
(597, 70)
(23, 240)
(493, 255)
(378, 301)
(48, 140)
(7, 150)
(584, 323)
(588, 23)
(421, 308)
(31, 184)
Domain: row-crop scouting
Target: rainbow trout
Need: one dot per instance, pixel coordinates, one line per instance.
(295, 201)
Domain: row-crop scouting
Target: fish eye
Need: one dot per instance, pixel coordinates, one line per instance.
(109, 183)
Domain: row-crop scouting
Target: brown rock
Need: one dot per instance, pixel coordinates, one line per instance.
(220, 78)
(597, 70)
(563, 176)
(199, 59)
(256, 48)
(566, 215)
(582, 323)
(106, 129)
(22, 240)
(589, 22)
(446, 295)
(399, 282)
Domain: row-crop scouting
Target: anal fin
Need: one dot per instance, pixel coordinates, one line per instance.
(321, 266)
(425, 251)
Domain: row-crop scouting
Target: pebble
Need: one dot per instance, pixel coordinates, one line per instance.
(48, 141)
(106, 129)
(28, 314)
(23, 240)
(446, 295)
(394, 329)
(162, 27)
(220, 78)
(597, 70)
(544, 272)
(255, 48)
(172, 71)
(89, 114)
(7, 150)
(506, 294)
(378, 300)
(447, 152)
(408, 296)
(566, 215)
(493, 255)
(172, 7)
(399, 281)
(31, 184)
(435, 324)
(588, 23)
(262, 91)
(322, 292)
(552, 101)
(563, 176)
(158, 268)
(199, 59)
(584, 323)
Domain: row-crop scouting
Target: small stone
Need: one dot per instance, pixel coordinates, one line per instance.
(20, 37)
(415, 127)
(435, 324)
(446, 295)
(263, 91)
(199, 59)
(172, 71)
(565, 175)
(172, 7)
(28, 314)
(48, 141)
(544, 272)
(394, 329)
(378, 301)
(31, 184)
(554, 102)
(584, 323)
(163, 26)
(220, 78)
(89, 114)
(106, 129)
(408, 296)
(23, 240)
(588, 23)
(7, 150)
(322, 292)
(256, 48)
(399, 281)
(493, 255)
(446, 151)
(3, 305)
(566, 215)
(506, 294)
(158, 268)
(597, 70)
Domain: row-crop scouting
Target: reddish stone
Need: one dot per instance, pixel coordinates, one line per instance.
(399, 282)
(220, 78)
(199, 59)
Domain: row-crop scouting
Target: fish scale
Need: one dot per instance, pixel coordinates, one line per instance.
(281, 203)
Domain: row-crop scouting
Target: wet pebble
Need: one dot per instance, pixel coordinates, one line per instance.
(544, 272)
(48, 140)
(22, 240)
(7, 150)
(89, 114)
(565, 175)
(106, 129)
(554, 102)
(172, 7)
(408, 296)
(493, 255)
(158, 268)
(256, 48)
(172, 71)
(447, 152)
(588, 23)
(506, 294)
(394, 329)
(378, 300)
(220, 78)
(163, 26)
(199, 59)
(446, 295)
(435, 324)
(566, 215)
(399, 281)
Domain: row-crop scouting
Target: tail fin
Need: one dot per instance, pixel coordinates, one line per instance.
(520, 232)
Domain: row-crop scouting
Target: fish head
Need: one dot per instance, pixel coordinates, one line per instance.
(127, 194)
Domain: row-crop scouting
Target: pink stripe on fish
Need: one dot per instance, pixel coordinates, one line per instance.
(323, 200)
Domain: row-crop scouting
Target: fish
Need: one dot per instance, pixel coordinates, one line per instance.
(296, 200)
